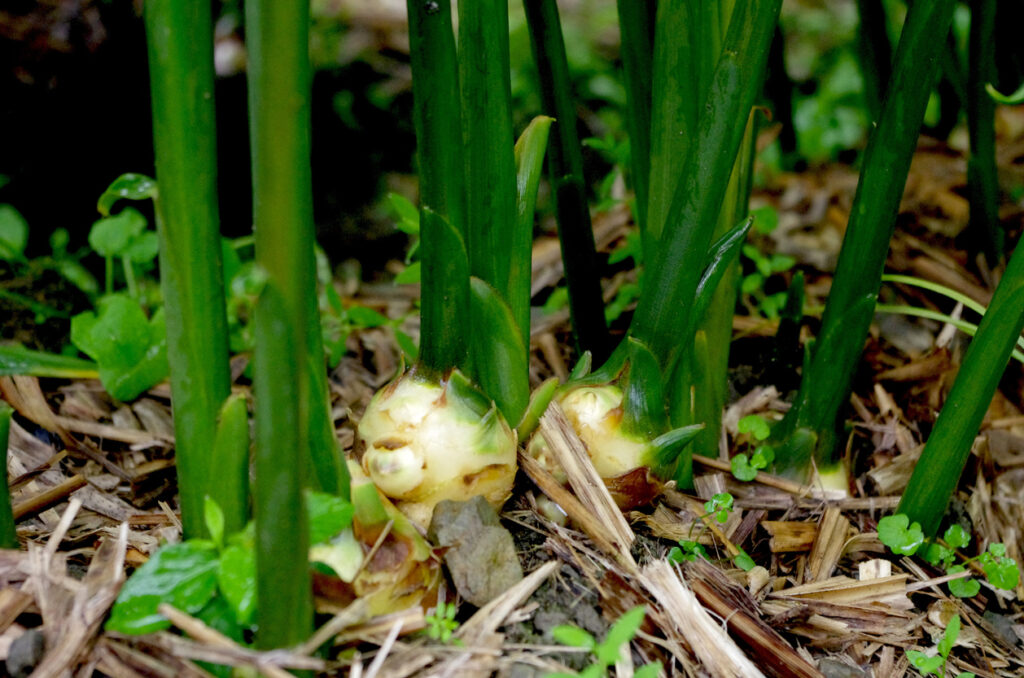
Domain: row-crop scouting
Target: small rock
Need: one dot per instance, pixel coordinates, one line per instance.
(25, 652)
(833, 668)
(481, 555)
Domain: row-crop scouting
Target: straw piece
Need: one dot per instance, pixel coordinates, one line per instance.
(717, 652)
(833, 531)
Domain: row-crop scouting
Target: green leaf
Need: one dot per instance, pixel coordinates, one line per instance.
(361, 316)
(766, 219)
(408, 216)
(924, 663)
(938, 554)
(573, 636)
(741, 468)
(956, 536)
(763, 456)
(236, 578)
(1006, 99)
(143, 249)
(945, 645)
(744, 561)
(498, 356)
(899, 535)
(755, 425)
(131, 351)
(214, 518)
(13, 234)
(111, 236)
(619, 635)
(126, 187)
(328, 516)
(963, 588)
(18, 360)
(1001, 572)
(652, 670)
(219, 616)
(184, 575)
(410, 274)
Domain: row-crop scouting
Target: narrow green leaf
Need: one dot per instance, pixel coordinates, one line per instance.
(620, 634)
(18, 360)
(230, 463)
(529, 155)
(498, 356)
(444, 295)
(722, 255)
(573, 636)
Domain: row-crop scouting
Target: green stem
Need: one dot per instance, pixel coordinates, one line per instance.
(8, 533)
(180, 38)
(489, 142)
(826, 383)
(636, 28)
(285, 323)
(937, 473)
(231, 463)
(438, 120)
(875, 53)
(693, 214)
(982, 176)
(565, 160)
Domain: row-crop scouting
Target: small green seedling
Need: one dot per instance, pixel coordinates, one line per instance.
(720, 505)
(608, 651)
(746, 465)
(687, 551)
(441, 623)
(766, 219)
(407, 220)
(936, 664)
(743, 561)
(906, 538)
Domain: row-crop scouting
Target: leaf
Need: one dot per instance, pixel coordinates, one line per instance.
(1001, 572)
(741, 468)
(111, 236)
(755, 425)
(13, 234)
(652, 670)
(236, 577)
(899, 535)
(408, 216)
(1006, 99)
(143, 249)
(967, 587)
(619, 635)
(131, 351)
(766, 219)
(214, 519)
(128, 186)
(744, 561)
(18, 360)
(945, 645)
(956, 536)
(763, 456)
(361, 316)
(328, 514)
(924, 663)
(498, 356)
(573, 636)
(410, 274)
(184, 575)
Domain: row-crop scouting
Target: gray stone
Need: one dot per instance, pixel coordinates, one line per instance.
(479, 552)
(834, 668)
(25, 652)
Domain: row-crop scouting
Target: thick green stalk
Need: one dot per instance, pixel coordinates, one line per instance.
(676, 268)
(436, 112)
(826, 383)
(637, 39)
(8, 533)
(180, 38)
(487, 122)
(982, 176)
(279, 90)
(438, 119)
(565, 160)
(937, 473)
(875, 53)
